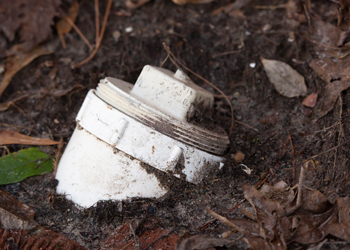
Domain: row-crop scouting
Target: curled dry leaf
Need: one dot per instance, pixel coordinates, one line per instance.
(11, 137)
(286, 80)
(18, 61)
(335, 72)
(310, 101)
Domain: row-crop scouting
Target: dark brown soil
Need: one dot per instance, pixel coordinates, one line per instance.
(199, 40)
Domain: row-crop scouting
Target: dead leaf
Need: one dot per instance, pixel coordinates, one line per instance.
(63, 27)
(239, 156)
(200, 242)
(336, 73)
(11, 137)
(340, 226)
(30, 20)
(16, 62)
(311, 228)
(310, 101)
(279, 192)
(314, 202)
(325, 33)
(286, 80)
(15, 214)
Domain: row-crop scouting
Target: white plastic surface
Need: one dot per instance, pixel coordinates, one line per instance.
(91, 170)
(173, 94)
(142, 142)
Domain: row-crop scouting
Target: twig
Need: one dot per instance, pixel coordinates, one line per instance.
(237, 205)
(324, 152)
(98, 42)
(177, 62)
(223, 219)
(293, 157)
(57, 156)
(97, 20)
(225, 53)
(71, 23)
(270, 7)
(137, 244)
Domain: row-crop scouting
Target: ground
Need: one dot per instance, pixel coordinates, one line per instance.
(226, 50)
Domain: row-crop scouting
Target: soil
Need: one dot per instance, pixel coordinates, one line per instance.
(200, 40)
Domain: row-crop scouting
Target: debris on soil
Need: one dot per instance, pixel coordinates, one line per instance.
(287, 81)
(30, 20)
(12, 137)
(21, 59)
(99, 35)
(64, 26)
(310, 101)
(335, 72)
(36, 238)
(15, 214)
(200, 242)
(279, 216)
(141, 234)
(239, 156)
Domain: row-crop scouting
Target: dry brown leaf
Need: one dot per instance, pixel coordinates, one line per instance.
(279, 192)
(337, 75)
(18, 61)
(30, 20)
(286, 80)
(310, 101)
(340, 225)
(63, 27)
(200, 242)
(11, 137)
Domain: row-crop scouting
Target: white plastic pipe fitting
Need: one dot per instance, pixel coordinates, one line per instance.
(121, 127)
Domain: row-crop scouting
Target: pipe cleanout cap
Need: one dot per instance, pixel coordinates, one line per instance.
(162, 121)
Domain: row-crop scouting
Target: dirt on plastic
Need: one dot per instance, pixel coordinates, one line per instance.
(225, 49)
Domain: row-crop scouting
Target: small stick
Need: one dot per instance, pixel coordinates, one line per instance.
(97, 20)
(324, 152)
(225, 53)
(71, 23)
(57, 156)
(237, 205)
(293, 158)
(98, 42)
(223, 219)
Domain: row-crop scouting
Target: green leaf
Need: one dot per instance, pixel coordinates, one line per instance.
(24, 163)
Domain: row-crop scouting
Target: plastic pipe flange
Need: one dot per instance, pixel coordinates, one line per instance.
(121, 126)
